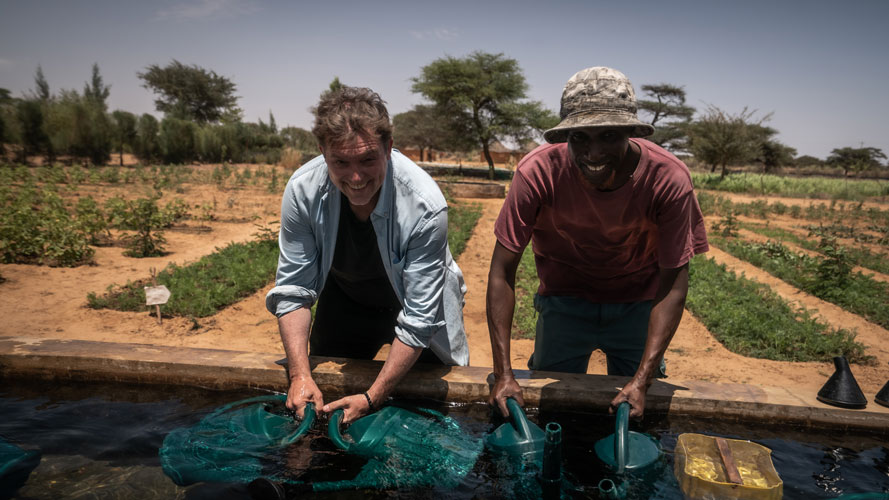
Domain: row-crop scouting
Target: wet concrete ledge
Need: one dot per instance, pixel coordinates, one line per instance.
(50, 359)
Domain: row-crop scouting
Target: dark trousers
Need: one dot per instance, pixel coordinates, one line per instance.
(346, 328)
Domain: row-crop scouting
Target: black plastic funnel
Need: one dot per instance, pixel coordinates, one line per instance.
(882, 397)
(841, 388)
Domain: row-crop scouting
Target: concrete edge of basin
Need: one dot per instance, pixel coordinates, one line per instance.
(79, 360)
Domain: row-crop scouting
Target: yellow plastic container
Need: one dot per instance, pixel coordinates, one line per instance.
(702, 475)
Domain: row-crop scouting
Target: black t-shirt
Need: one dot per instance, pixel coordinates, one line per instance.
(357, 266)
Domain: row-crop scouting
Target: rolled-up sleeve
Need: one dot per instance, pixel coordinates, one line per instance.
(296, 282)
(423, 275)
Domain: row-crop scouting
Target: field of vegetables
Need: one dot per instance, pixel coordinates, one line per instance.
(795, 277)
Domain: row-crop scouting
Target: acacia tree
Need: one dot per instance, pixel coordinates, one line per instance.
(426, 129)
(481, 96)
(668, 107)
(719, 138)
(856, 159)
(191, 92)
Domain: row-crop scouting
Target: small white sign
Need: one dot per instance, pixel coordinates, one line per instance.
(156, 295)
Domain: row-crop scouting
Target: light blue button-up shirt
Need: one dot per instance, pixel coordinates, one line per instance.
(411, 225)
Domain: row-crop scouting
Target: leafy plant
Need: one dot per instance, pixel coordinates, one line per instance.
(146, 219)
(751, 320)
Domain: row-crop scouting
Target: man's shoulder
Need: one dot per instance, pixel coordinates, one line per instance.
(543, 156)
(659, 155)
(412, 181)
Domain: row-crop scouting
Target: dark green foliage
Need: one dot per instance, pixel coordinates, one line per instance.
(95, 90)
(80, 127)
(426, 128)
(728, 226)
(825, 278)
(720, 139)
(667, 107)
(30, 117)
(124, 131)
(37, 229)
(200, 289)
(177, 140)
(524, 321)
(857, 255)
(299, 139)
(462, 219)
(146, 146)
(751, 320)
(856, 159)
(145, 218)
(42, 91)
(481, 97)
(91, 221)
(191, 92)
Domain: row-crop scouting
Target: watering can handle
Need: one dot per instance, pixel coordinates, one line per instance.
(333, 430)
(621, 436)
(308, 419)
(518, 419)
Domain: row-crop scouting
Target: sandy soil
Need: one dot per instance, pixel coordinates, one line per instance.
(49, 302)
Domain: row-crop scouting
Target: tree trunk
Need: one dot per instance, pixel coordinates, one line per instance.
(713, 168)
(487, 150)
(722, 176)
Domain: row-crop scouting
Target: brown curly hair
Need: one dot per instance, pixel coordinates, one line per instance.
(348, 111)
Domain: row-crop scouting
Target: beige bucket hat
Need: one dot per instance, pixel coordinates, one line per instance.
(597, 97)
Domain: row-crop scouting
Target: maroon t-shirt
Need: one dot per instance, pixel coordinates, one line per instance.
(606, 247)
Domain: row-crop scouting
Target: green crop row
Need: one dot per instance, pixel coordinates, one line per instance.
(858, 256)
(37, 228)
(233, 272)
(833, 212)
(797, 187)
(829, 278)
(203, 287)
(748, 318)
(462, 219)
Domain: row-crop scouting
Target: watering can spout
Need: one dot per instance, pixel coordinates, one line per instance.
(551, 472)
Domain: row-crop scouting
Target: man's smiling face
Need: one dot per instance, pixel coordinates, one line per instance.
(600, 154)
(357, 166)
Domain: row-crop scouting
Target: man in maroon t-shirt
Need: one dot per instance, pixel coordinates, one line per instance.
(613, 223)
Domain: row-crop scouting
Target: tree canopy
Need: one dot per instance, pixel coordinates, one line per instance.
(481, 96)
(719, 138)
(191, 92)
(668, 107)
(425, 128)
(856, 159)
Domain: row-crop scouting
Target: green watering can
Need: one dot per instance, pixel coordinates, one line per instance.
(16, 465)
(228, 444)
(406, 447)
(518, 438)
(626, 450)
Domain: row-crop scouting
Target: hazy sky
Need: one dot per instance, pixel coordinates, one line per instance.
(820, 67)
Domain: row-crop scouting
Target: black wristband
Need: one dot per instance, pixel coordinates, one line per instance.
(370, 403)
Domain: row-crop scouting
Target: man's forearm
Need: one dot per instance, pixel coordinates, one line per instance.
(501, 308)
(666, 312)
(400, 360)
(294, 329)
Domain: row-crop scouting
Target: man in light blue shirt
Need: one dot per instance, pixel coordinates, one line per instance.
(364, 233)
